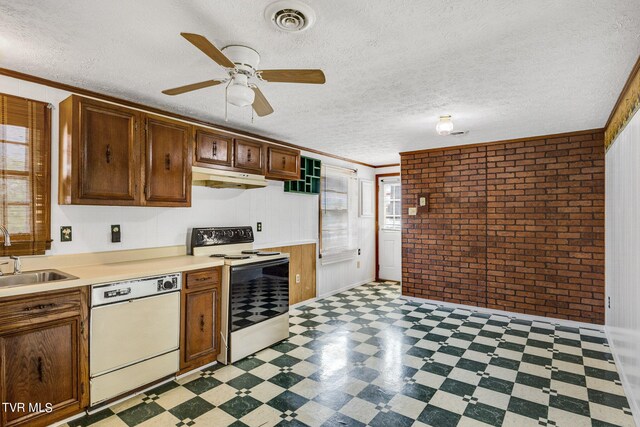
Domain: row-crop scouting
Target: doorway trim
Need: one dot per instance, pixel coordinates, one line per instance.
(379, 175)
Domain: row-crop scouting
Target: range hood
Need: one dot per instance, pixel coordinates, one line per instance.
(216, 178)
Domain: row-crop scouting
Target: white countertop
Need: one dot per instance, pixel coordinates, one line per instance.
(111, 272)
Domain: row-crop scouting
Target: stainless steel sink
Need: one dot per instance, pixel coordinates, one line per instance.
(33, 277)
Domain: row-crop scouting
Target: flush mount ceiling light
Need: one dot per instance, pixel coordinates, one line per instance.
(290, 15)
(239, 93)
(445, 125)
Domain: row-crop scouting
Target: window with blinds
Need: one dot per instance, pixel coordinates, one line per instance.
(338, 214)
(25, 182)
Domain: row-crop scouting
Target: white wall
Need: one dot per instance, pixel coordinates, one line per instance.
(622, 253)
(286, 218)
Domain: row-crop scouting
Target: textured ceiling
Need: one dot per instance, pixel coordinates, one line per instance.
(502, 68)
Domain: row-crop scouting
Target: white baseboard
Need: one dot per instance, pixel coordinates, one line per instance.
(328, 294)
(510, 314)
(626, 385)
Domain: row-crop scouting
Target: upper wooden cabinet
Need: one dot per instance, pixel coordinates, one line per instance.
(113, 155)
(99, 153)
(212, 149)
(223, 151)
(282, 163)
(167, 162)
(248, 156)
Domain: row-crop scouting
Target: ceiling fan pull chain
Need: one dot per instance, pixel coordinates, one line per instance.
(226, 103)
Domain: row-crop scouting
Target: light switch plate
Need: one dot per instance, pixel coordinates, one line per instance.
(413, 211)
(423, 201)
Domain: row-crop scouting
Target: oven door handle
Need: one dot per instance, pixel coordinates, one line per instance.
(260, 264)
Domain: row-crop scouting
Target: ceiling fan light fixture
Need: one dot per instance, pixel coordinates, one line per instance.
(239, 93)
(445, 125)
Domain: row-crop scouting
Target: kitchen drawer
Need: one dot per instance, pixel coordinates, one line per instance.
(30, 309)
(202, 278)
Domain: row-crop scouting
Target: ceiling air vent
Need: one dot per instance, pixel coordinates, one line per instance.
(290, 16)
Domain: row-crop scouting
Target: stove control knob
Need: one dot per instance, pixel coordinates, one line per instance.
(167, 285)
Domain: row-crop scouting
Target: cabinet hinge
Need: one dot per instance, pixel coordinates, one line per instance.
(82, 388)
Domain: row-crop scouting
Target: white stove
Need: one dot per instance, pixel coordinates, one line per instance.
(255, 290)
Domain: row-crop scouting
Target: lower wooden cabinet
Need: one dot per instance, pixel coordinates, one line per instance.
(200, 318)
(43, 351)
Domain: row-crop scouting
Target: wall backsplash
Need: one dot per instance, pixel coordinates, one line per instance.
(516, 226)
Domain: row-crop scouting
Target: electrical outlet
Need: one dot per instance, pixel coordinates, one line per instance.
(259, 226)
(297, 278)
(359, 251)
(608, 302)
(115, 233)
(413, 211)
(423, 201)
(66, 233)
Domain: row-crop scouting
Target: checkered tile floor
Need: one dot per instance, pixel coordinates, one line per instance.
(367, 357)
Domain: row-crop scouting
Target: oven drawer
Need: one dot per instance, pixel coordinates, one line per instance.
(202, 278)
(128, 332)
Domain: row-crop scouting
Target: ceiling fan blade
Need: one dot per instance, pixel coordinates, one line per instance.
(208, 49)
(293, 76)
(191, 87)
(260, 103)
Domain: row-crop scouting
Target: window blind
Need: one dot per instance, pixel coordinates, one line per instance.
(338, 214)
(25, 141)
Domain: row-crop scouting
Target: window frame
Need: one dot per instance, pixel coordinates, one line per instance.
(351, 210)
(396, 215)
(38, 122)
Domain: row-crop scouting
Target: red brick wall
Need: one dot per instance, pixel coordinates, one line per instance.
(516, 226)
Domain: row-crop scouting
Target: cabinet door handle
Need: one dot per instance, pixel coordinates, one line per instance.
(167, 161)
(108, 153)
(39, 307)
(202, 323)
(214, 153)
(284, 162)
(40, 374)
(202, 279)
(249, 155)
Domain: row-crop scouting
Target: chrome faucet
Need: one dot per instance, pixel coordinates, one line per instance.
(7, 237)
(17, 265)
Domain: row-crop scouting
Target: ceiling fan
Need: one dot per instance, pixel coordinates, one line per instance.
(241, 64)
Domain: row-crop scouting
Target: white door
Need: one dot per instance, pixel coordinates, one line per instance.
(389, 216)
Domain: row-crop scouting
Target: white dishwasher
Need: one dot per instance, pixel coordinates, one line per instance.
(135, 333)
